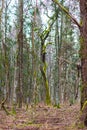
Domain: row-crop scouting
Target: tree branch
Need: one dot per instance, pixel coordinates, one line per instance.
(67, 12)
(46, 32)
(68, 62)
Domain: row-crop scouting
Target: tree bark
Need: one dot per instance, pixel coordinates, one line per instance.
(20, 55)
(83, 50)
(43, 72)
(83, 54)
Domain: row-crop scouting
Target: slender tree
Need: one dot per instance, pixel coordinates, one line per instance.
(20, 54)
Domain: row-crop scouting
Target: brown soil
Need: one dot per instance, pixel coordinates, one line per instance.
(42, 117)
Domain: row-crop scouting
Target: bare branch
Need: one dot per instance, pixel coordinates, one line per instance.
(67, 12)
(62, 60)
(47, 31)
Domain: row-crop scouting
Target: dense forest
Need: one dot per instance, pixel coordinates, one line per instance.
(43, 59)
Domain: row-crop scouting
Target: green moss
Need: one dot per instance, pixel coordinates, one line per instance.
(84, 105)
(81, 88)
(48, 101)
(82, 53)
(30, 123)
(45, 67)
(13, 111)
(81, 22)
(81, 39)
(57, 105)
(81, 125)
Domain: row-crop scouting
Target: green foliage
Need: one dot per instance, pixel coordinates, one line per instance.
(36, 29)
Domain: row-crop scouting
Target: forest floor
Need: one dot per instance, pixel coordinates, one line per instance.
(42, 117)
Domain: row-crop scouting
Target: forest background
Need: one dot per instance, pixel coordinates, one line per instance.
(39, 52)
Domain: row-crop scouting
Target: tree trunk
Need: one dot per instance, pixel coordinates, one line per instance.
(57, 47)
(83, 50)
(83, 54)
(43, 71)
(20, 55)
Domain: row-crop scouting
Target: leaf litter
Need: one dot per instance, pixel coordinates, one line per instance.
(42, 117)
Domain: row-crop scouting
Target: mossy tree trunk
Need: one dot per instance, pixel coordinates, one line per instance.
(57, 47)
(4, 47)
(83, 54)
(83, 50)
(43, 72)
(43, 37)
(20, 54)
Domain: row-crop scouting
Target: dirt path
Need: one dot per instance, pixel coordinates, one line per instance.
(41, 118)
